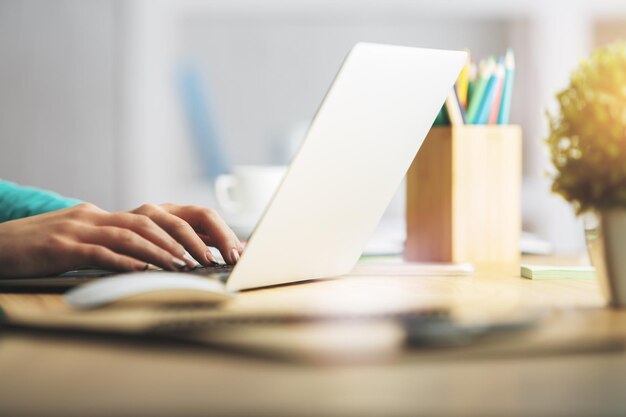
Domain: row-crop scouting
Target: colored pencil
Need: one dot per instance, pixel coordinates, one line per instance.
(495, 104)
(490, 91)
(484, 75)
(462, 83)
(453, 109)
(461, 108)
(507, 88)
(442, 117)
(471, 84)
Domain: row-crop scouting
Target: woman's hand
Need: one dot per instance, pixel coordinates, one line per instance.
(195, 228)
(86, 236)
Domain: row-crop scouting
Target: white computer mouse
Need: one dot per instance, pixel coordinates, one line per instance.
(148, 288)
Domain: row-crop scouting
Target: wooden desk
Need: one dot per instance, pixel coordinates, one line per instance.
(49, 374)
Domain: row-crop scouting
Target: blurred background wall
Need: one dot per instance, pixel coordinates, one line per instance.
(58, 113)
(91, 103)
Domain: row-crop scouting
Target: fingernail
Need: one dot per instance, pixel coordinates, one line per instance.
(141, 267)
(210, 257)
(234, 255)
(190, 261)
(180, 264)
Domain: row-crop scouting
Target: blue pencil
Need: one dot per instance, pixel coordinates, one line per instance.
(490, 92)
(507, 88)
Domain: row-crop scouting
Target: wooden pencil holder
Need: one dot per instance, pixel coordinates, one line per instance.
(464, 196)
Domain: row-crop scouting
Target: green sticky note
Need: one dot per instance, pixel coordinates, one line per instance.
(557, 272)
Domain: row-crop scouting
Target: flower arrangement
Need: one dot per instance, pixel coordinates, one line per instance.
(588, 135)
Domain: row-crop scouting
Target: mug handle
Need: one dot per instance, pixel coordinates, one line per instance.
(223, 186)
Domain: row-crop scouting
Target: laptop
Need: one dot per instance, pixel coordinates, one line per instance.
(356, 152)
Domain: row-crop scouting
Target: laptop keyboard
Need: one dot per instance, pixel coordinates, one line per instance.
(199, 270)
(213, 268)
(216, 271)
(219, 272)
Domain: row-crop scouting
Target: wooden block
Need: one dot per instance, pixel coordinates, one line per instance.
(464, 196)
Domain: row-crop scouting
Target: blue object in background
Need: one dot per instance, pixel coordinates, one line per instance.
(200, 115)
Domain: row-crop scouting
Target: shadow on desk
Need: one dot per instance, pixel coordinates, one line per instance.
(351, 341)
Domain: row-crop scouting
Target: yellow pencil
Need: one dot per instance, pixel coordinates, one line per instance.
(463, 82)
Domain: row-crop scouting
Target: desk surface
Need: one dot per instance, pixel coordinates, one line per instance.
(56, 374)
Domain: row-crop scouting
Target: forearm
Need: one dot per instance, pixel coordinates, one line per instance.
(17, 202)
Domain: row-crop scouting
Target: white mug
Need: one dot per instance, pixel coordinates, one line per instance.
(244, 194)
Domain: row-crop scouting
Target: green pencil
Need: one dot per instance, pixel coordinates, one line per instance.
(486, 69)
(471, 85)
(442, 117)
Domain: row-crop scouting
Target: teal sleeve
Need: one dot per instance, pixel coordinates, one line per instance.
(17, 201)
